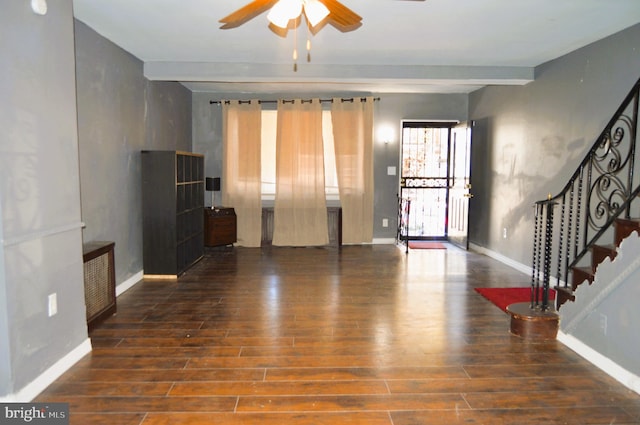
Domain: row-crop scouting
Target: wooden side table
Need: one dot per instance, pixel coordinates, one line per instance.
(220, 226)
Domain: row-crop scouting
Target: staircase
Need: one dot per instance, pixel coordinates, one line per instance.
(582, 225)
(622, 228)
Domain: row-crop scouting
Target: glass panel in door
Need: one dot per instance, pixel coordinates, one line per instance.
(459, 192)
(424, 177)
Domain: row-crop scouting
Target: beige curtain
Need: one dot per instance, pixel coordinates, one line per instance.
(241, 172)
(300, 212)
(353, 141)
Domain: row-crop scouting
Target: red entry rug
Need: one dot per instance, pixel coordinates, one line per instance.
(503, 297)
(426, 245)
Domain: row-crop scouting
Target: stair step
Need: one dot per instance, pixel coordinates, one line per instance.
(624, 227)
(600, 252)
(580, 274)
(563, 294)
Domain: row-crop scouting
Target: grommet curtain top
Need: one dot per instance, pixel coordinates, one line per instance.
(346, 99)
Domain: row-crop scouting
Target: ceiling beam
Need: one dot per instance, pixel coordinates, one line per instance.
(344, 75)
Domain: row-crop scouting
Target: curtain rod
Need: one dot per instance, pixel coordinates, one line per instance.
(348, 99)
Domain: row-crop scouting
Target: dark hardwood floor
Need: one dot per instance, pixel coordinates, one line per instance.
(362, 335)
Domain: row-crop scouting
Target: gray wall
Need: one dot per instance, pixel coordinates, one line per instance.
(389, 111)
(394, 108)
(616, 338)
(120, 113)
(39, 193)
(61, 166)
(528, 140)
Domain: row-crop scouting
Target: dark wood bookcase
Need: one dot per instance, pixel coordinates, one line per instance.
(172, 208)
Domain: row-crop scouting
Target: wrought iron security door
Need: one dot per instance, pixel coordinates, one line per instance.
(425, 177)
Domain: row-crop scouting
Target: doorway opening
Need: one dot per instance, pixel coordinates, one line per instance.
(434, 163)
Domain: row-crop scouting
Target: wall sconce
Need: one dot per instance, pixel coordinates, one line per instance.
(386, 134)
(213, 186)
(39, 7)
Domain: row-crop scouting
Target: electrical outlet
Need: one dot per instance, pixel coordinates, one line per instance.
(53, 304)
(385, 222)
(504, 233)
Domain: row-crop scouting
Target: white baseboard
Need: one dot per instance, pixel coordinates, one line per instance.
(129, 283)
(39, 384)
(497, 256)
(384, 241)
(603, 363)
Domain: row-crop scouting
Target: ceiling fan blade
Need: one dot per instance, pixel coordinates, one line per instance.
(341, 16)
(246, 13)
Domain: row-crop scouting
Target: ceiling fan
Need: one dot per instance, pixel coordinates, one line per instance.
(317, 12)
(288, 14)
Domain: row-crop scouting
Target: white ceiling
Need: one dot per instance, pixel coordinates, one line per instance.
(402, 46)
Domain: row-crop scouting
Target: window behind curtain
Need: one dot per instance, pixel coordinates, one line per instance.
(269, 122)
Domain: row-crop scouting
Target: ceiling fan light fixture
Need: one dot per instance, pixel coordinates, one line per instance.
(283, 11)
(288, 14)
(315, 11)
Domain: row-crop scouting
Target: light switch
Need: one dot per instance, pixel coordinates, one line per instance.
(391, 171)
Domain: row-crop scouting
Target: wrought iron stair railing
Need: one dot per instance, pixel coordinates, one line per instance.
(603, 188)
(402, 231)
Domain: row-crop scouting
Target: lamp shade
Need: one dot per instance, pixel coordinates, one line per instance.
(212, 184)
(283, 11)
(315, 12)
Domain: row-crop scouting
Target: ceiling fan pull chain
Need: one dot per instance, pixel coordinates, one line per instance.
(295, 49)
(308, 44)
(295, 59)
